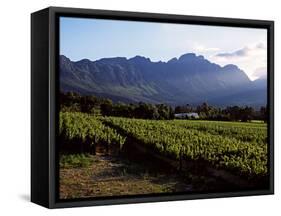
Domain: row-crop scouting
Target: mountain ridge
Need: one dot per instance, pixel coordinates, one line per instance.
(188, 79)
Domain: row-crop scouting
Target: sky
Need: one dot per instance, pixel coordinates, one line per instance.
(94, 39)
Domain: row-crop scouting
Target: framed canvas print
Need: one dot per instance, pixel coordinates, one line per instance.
(138, 107)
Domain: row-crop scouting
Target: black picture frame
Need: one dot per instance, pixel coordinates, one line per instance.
(44, 99)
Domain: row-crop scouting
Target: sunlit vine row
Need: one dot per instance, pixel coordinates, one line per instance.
(174, 140)
(87, 128)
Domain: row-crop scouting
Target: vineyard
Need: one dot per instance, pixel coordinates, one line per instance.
(239, 148)
(236, 147)
(85, 129)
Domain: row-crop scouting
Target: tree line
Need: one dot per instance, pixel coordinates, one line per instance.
(230, 113)
(75, 102)
(100, 106)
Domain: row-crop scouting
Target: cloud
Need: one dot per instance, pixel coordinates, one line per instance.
(201, 48)
(260, 46)
(252, 59)
(244, 52)
(239, 53)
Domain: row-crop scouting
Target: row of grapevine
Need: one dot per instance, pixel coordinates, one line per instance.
(87, 129)
(227, 151)
(248, 133)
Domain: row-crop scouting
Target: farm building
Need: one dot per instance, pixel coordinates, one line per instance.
(191, 115)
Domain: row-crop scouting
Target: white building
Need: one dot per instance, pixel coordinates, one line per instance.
(192, 115)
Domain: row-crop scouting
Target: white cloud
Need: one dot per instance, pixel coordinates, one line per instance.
(236, 54)
(202, 48)
(261, 46)
(245, 52)
(252, 59)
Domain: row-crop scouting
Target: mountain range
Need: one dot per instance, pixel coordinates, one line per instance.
(189, 79)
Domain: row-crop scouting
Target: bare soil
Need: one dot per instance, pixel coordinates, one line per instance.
(116, 176)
